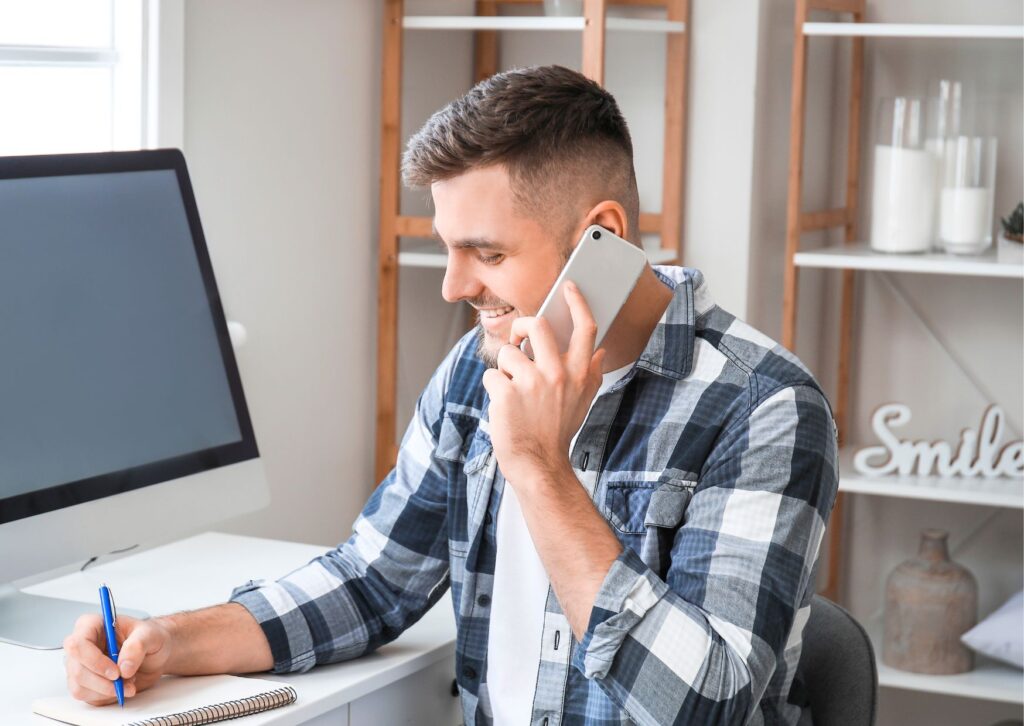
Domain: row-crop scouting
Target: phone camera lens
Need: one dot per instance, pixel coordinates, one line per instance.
(595, 234)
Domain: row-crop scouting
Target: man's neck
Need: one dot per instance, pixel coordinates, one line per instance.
(628, 335)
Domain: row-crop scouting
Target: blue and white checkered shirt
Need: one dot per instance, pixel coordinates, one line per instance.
(713, 461)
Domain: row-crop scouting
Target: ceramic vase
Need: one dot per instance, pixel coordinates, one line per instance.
(930, 602)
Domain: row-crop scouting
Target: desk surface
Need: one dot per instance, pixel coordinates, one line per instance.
(202, 571)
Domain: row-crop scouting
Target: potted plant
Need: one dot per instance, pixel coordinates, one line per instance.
(1011, 238)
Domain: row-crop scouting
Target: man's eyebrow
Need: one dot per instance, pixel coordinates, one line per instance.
(469, 242)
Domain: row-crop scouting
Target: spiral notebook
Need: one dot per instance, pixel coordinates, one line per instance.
(175, 701)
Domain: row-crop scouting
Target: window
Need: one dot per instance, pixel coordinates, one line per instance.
(75, 75)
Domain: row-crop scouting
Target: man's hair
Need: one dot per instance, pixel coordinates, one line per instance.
(560, 136)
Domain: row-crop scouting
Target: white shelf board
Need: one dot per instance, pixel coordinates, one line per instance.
(661, 256)
(915, 30)
(421, 253)
(989, 681)
(424, 253)
(1001, 492)
(860, 256)
(535, 22)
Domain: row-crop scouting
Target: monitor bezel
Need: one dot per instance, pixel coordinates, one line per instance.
(59, 496)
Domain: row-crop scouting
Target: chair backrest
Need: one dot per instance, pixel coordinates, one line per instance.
(837, 667)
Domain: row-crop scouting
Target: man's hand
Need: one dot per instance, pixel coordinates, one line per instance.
(537, 406)
(142, 660)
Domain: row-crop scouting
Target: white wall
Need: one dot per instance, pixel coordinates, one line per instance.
(280, 135)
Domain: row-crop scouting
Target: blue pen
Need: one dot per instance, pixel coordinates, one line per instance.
(109, 617)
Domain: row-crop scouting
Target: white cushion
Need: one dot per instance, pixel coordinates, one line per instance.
(1001, 634)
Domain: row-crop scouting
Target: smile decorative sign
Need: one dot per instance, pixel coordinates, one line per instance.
(978, 454)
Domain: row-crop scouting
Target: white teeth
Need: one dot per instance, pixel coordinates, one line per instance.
(494, 313)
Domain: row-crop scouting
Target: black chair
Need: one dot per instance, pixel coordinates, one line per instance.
(837, 668)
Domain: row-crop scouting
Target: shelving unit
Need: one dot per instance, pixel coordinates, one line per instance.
(912, 30)
(1001, 492)
(421, 253)
(859, 256)
(989, 680)
(402, 237)
(540, 22)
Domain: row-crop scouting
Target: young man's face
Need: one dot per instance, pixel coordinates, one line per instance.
(500, 262)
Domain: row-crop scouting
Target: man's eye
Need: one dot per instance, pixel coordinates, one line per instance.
(491, 259)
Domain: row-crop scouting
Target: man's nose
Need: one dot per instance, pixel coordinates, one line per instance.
(459, 283)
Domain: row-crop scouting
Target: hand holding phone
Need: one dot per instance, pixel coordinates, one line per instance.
(605, 268)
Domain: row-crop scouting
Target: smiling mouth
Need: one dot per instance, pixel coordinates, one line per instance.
(494, 313)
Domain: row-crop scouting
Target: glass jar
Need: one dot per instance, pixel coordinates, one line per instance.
(967, 194)
(904, 182)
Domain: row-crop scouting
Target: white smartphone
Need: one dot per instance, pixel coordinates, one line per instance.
(605, 268)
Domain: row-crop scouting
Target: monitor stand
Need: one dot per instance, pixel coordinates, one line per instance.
(40, 622)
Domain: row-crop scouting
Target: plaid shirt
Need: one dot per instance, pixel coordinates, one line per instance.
(713, 461)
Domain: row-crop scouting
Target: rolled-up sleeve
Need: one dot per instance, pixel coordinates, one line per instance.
(392, 569)
(701, 644)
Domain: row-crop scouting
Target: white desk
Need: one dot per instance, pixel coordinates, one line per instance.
(407, 681)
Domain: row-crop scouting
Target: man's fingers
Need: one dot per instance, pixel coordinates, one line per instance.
(86, 650)
(542, 338)
(584, 328)
(93, 698)
(141, 642)
(513, 362)
(495, 382)
(90, 681)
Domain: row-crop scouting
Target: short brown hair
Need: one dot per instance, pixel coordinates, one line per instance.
(560, 135)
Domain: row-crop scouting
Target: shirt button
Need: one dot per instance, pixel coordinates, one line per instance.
(487, 518)
(469, 672)
(484, 600)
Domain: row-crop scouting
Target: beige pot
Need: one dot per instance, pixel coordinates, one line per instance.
(930, 602)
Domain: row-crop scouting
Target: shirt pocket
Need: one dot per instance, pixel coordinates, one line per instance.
(469, 455)
(632, 507)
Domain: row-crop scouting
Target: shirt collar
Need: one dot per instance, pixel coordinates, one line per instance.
(669, 351)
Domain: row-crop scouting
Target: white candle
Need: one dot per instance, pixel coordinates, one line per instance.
(964, 216)
(903, 199)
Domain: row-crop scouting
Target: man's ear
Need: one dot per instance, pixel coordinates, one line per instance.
(612, 216)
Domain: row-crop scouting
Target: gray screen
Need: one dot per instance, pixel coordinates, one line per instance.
(108, 352)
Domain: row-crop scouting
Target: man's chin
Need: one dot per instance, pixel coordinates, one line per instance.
(487, 346)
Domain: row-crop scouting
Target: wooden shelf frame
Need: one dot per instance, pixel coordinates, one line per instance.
(798, 222)
(485, 25)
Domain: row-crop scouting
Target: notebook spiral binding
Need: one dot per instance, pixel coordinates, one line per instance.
(223, 711)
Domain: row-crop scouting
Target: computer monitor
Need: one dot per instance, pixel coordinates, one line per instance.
(122, 415)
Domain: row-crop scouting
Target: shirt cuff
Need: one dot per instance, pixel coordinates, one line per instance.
(628, 591)
(285, 628)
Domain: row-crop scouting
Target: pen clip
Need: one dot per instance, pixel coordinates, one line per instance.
(113, 605)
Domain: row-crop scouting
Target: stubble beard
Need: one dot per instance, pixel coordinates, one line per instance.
(483, 352)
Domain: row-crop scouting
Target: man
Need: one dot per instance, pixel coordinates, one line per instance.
(630, 534)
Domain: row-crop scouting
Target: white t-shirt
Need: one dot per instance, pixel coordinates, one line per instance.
(517, 605)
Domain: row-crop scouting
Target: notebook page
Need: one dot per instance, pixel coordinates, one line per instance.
(172, 694)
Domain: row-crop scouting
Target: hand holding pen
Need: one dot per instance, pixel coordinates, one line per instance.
(101, 670)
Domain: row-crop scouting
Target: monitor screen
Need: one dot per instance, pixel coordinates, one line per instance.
(116, 370)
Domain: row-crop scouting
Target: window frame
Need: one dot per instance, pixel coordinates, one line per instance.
(153, 115)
